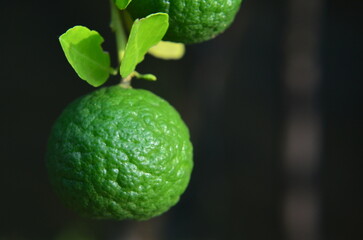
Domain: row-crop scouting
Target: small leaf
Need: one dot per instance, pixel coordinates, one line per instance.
(149, 76)
(168, 50)
(145, 33)
(122, 4)
(83, 51)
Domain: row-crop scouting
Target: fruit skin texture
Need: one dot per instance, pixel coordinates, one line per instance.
(190, 21)
(119, 154)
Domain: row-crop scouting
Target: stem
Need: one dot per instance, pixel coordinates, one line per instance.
(126, 82)
(121, 40)
(117, 27)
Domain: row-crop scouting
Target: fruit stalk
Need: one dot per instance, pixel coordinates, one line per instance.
(117, 26)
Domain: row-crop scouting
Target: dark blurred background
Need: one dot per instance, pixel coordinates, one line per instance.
(274, 106)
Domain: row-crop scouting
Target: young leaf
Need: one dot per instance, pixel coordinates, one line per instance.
(83, 51)
(148, 76)
(145, 33)
(168, 50)
(122, 4)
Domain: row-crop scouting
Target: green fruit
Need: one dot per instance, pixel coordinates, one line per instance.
(191, 21)
(119, 153)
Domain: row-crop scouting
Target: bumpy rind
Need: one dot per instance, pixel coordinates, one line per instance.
(190, 21)
(120, 154)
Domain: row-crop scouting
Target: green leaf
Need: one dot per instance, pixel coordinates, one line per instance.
(122, 4)
(145, 33)
(148, 76)
(83, 51)
(168, 50)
